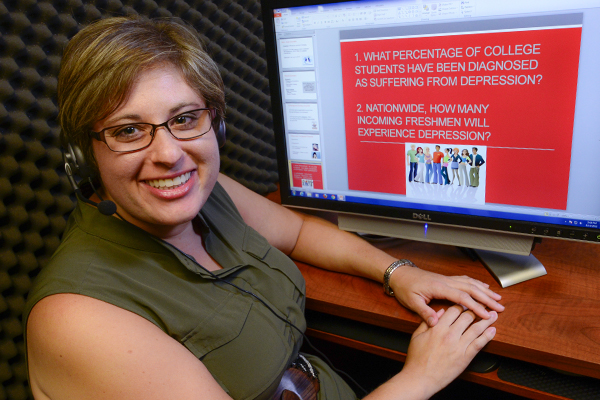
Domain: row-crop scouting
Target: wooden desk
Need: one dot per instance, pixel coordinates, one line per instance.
(552, 321)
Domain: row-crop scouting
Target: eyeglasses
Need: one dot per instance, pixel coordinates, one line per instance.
(136, 136)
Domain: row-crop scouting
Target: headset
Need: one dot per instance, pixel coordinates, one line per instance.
(76, 164)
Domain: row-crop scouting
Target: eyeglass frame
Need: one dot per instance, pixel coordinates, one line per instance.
(101, 136)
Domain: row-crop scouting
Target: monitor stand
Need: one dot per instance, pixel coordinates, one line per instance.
(509, 269)
(507, 256)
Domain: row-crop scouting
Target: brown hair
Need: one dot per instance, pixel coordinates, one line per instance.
(102, 61)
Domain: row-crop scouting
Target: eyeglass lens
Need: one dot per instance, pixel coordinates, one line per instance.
(135, 136)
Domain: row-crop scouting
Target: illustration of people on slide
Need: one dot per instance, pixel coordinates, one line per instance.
(454, 165)
(412, 162)
(421, 165)
(461, 178)
(428, 166)
(437, 165)
(445, 161)
(477, 162)
(462, 167)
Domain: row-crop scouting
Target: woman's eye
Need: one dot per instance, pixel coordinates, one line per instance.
(130, 132)
(184, 122)
(185, 119)
(127, 131)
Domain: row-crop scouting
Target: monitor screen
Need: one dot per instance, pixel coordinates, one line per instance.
(474, 113)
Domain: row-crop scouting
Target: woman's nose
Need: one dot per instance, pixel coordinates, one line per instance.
(165, 148)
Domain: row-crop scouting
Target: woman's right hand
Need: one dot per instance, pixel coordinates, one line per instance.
(437, 355)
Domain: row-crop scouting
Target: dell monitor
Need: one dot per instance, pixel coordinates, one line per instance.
(466, 122)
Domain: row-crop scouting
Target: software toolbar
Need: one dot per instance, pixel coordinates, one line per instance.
(375, 13)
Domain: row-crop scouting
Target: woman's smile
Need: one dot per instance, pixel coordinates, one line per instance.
(168, 183)
(172, 188)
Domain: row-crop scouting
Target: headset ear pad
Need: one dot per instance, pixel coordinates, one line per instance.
(76, 160)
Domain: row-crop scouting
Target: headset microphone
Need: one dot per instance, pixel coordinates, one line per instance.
(107, 207)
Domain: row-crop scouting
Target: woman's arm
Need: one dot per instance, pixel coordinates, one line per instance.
(322, 244)
(83, 348)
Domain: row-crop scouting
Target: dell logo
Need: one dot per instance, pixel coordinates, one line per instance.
(424, 217)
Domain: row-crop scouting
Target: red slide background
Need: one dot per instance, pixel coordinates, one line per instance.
(520, 117)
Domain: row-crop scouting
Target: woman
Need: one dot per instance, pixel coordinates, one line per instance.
(421, 165)
(445, 162)
(428, 166)
(456, 160)
(186, 291)
(462, 167)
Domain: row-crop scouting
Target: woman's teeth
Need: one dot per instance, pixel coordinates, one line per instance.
(170, 183)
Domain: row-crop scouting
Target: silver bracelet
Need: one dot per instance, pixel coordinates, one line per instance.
(388, 273)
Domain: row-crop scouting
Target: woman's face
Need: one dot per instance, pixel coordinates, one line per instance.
(141, 184)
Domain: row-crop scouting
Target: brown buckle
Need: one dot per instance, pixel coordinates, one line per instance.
(299, 382)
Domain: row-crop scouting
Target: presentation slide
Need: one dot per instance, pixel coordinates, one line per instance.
(297, 53)
(302, 116)
(306, 176)
(304, 147)
(510, 93)
(300, 85)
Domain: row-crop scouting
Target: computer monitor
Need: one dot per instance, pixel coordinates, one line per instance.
(466, 122)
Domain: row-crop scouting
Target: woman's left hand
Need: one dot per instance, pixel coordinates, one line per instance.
(415, 288)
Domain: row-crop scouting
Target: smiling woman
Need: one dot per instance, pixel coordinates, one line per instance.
(187, 291)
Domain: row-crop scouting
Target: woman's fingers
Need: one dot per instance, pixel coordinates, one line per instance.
(464, 320)
(475, 330)
(451, 315)
(424, 326)
(480, 342)
(464, 298)
(478, 285)
(471, 295)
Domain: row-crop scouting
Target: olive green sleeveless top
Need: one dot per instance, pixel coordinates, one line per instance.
(241, 342)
